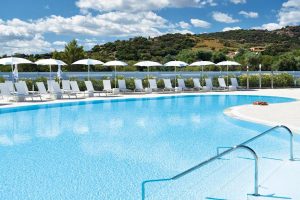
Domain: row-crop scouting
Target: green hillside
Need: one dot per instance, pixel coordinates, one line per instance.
(277, 50)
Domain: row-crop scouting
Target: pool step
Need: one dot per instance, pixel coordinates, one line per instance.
(283, 184)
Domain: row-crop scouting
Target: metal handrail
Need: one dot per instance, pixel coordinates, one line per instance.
(242, 145)
(205, 163)
(272, 129)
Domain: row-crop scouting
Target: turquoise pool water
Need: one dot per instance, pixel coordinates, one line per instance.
(105, 149)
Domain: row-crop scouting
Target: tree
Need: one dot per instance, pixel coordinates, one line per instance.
(73, 52)
(204, 55)
(218, 57)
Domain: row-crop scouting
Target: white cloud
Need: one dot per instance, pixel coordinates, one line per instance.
(184, 25)
(269, 27)
(289, 14)
(231, 28)
(138, 5)
(200, 23)
(238, 1)
(249, 14)
(223, 17)
(27, 36)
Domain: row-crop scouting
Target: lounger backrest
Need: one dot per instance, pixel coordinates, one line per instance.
(234, 82)
(49, 85)
(24, 85)
(41, 87)
(181, 83)
(222, 82)
(74, 86)
(138, 84)
(122, 84)
(208, 83)
(89, 86)
(4, 89)
(197, 83)
(66, 85)
(21, 89)
(152, 83)
(168, 84)
(56, 87)
(106, 85)
(10, 86)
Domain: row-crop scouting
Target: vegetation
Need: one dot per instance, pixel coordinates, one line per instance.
(281, 50)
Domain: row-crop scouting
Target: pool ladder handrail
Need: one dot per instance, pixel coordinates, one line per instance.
(219, 155)
(266, 132)
(207, 162)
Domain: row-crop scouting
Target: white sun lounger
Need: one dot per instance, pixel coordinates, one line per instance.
(122, 86)
(21, 92)
(66, 89)
(235, 83)
(26, 87)
(42, 90)
(197, 84)
(56, 90)
(181, 84)
(90, 88)
(10, 86)
(168, 85)
(223, 85)
(153, 85)
(107, 86)
(75, 88)
(208, 85)
(49, 85)
(5, 93)
(138, 85)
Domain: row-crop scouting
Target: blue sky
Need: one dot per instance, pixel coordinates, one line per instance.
(37, 26)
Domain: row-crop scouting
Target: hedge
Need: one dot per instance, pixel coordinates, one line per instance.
(279, 81)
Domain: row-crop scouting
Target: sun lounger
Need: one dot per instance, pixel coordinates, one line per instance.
(197, 84)
(153, 85)
(235, 83)
(49, 85)
(42, 90)
(66, 89)
(26, 87)
(168, 85)
(208, 85)
(75, 88)
(223, 85)
(5, 93)
(107, 86)
(122, 86)
(90, 88)
(138, 85)
(21, 92)
(10, 86)
(181, 84)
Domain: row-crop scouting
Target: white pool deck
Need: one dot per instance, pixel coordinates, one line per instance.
(284, 183)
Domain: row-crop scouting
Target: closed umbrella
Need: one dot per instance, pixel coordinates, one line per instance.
(115, 63)
(227, 64)
(16, 73)
(14, 61)
(50, 62)
(59, 72)
(148, 64)
(175, 64)
(202, 64)
(88, 62)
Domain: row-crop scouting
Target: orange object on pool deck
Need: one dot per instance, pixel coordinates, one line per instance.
(260, 103)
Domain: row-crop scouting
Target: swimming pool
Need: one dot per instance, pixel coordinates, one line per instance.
(105, 149)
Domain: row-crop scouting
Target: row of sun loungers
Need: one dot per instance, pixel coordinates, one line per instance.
(70, 89)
